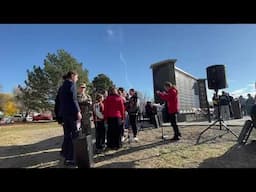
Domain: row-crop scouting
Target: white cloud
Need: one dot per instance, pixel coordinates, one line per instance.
(250, 88)
(110, 32)
(239, 92)
(115, 33)
(125, 70)
(251, 85)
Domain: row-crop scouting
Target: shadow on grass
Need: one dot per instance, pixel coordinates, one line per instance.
(238, 156)
(44, 153)
(126, 164)
(210, 139)
(131, 150)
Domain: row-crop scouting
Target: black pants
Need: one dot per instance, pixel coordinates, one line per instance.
(100, 134)
(133, 122)
(122, 129)
(173, 120)
(114, 133)
(62, 146)
(70, 133)
(153, 120)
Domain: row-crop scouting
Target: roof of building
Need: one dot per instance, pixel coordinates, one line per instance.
(163, 63)
(180, 70)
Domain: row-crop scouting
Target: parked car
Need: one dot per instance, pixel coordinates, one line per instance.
(6, 120)
(18, 118)
(42, 117)
(1, 115)
(29, 118)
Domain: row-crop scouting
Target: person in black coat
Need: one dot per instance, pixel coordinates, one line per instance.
(57, 112)
(70, 113)
(57, 103)
(151, 111)
(253, 115)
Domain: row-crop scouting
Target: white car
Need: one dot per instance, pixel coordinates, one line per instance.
(29, 118)
(18, 118)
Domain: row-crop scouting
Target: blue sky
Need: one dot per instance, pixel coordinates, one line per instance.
(125, 52)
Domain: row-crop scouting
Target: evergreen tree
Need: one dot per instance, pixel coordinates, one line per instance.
(102, 82)
(56, 65)
(35, 94)
(42, 84)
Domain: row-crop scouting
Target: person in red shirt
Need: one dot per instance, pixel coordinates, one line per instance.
(171, 96)
(121, 93)
(114, 116)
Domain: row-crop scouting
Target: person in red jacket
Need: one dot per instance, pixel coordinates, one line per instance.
(122, 94)
(171, 96)
(114, 116)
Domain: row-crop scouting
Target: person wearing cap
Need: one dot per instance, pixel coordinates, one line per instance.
(85, 103)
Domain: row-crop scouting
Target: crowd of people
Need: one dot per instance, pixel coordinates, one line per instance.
(115, 110)
(224, 102)
(111, 112)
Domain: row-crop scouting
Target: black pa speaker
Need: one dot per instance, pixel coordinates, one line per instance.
(216, 77)
(83, 151)
(253, 115)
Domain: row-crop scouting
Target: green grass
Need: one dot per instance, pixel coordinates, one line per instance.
(26, 132)
(29, 125)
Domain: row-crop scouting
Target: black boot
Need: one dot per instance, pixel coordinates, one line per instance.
(175, 138)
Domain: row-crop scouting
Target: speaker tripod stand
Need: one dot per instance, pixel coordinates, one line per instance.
(219, 121)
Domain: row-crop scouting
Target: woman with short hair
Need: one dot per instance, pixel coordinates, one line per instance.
(171, 96)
